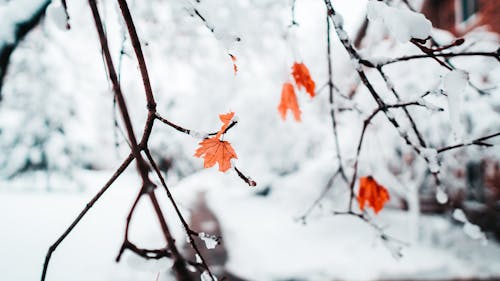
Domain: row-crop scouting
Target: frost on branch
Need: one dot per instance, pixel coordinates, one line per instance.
(402, 24)
(211, 241)
(431, 156)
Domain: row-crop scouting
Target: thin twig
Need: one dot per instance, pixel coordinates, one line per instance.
(478, 142)
(89, 205)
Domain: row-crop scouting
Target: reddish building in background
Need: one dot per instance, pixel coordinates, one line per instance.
(461, 16)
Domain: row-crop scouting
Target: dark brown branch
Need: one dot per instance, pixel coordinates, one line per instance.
(495, 55)
(407, 113)
(344, 39)
(65, 7)
(358, 152)
(331, 100)
(478, 141)
(175, 126)
(189, 131)
(246, 179)
(316, 202)
(148, 253)
(89, 205)
(127, 226)
(136, 44)
(156, 254)
(147, 188)
(430, 53)
(187, 229)
(142, 167)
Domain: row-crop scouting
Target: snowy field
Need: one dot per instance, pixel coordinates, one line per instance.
(326, 248)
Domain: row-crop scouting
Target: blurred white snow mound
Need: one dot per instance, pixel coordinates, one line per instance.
(402, 24)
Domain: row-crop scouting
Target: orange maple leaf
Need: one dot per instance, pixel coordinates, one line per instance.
(233, 59)
(289, 101)
(303, 78)
(214, 151)
(372, 193)
(226, 119)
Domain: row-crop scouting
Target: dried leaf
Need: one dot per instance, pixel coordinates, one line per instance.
(289, 101)
(233, 59)
(213, 151)
(226, 120)
(303, 78)
(372, 193)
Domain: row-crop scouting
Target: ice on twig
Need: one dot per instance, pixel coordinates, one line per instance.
(338, 20)
(210, 240)
(198, 135)
(428, 105)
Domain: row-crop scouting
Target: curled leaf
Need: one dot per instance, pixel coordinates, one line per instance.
(372, 193)
(303, 78)
(226, 120)
(233, 59)
(289, 102)
(213, 150)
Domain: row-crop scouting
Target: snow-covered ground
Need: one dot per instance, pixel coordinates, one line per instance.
(263, 238)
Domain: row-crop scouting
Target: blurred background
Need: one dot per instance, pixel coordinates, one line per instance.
(61, 138)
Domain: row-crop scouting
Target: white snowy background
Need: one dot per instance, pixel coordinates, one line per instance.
(57, 107)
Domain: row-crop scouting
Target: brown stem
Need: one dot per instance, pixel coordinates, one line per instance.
(136, 44)
(187, 229)
(344, 39)
(410, 118)
(478, 141)
(142, 167)
(89, 205)
(331, 100)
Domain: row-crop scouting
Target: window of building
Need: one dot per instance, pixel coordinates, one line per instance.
(468, 8)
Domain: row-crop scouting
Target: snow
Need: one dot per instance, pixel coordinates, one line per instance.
(211, 241)
(401, 24)
(459, 215)
(441, 196)
(327, 247)
(55, 11)
(32, 221)
(472, 230)
(454, 85)
(14, 12)
(198, 135)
